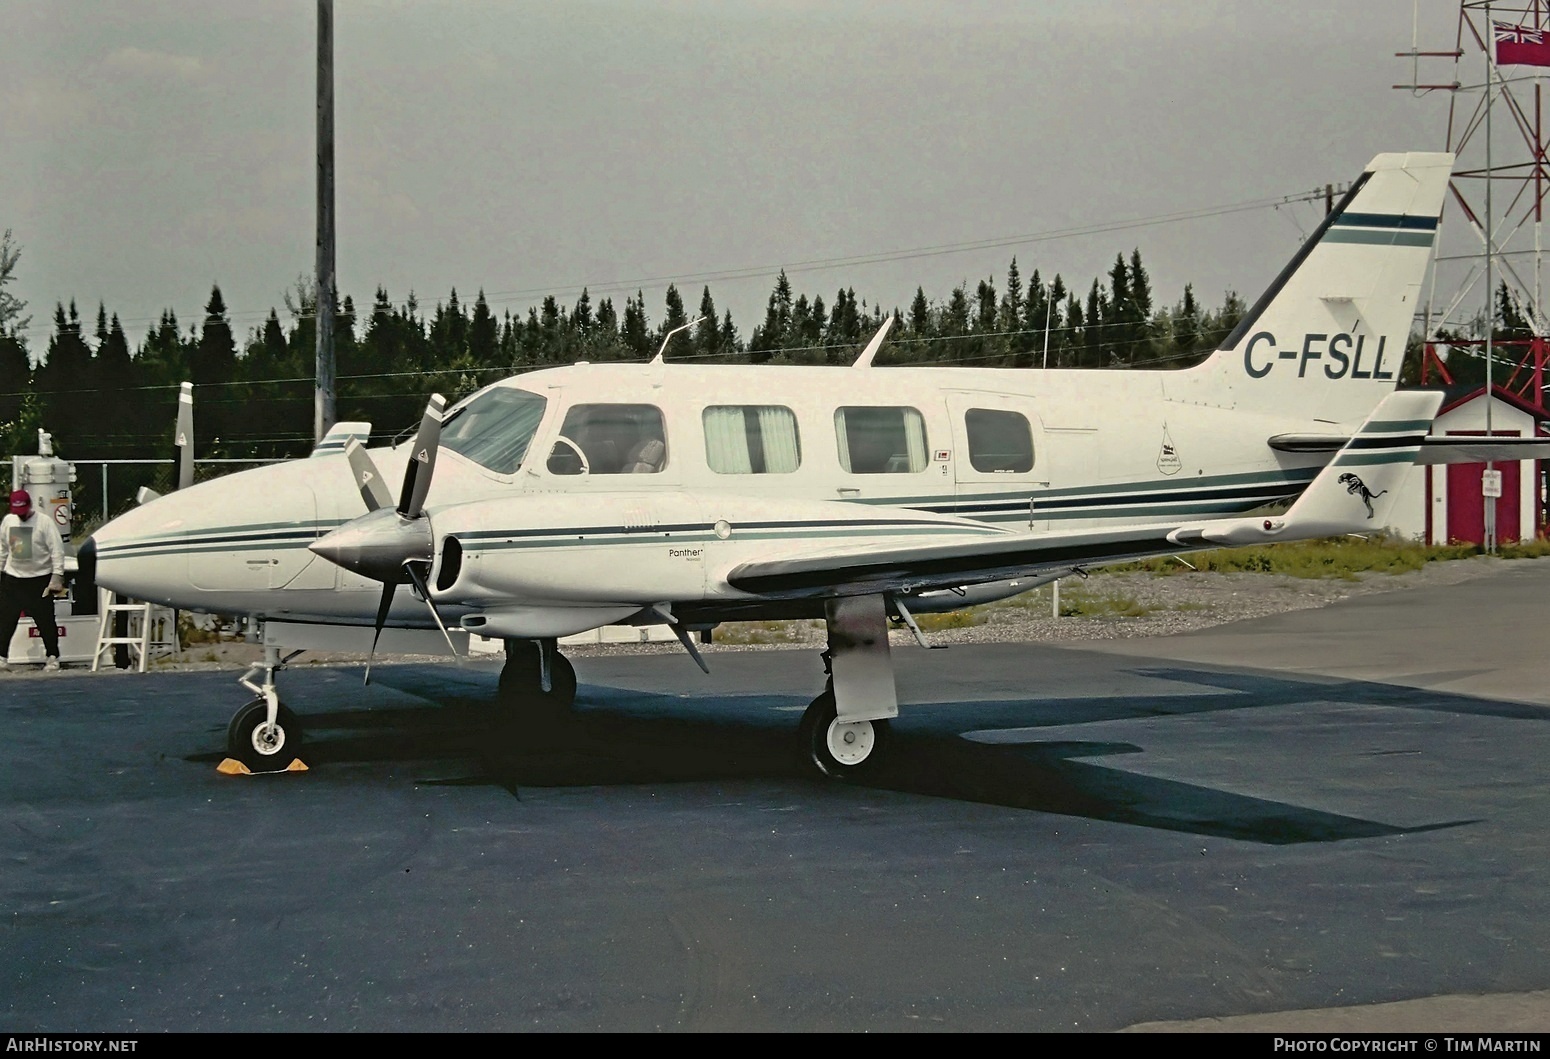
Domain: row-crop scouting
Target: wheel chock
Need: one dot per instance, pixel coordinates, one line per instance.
(233, 767)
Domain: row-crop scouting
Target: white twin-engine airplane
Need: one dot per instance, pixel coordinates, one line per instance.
(576, 497)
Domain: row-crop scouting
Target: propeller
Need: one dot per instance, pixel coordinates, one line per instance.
(391, 545)
(367, 479)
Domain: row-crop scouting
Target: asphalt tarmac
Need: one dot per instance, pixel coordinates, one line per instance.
(1330, 819)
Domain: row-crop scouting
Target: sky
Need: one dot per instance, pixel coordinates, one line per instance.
(150, 150)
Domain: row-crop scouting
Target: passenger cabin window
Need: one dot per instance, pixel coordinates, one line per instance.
(495, 428)
(751, 439)
(999, 442)
(881, 440)
(610, 439)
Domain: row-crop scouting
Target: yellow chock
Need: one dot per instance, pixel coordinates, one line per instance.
(233, 767)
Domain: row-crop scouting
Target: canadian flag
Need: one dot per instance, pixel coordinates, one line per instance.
(1521, 44)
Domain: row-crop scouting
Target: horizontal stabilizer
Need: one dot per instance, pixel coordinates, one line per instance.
(1354, 492)
(340, 435)
(1435, 449)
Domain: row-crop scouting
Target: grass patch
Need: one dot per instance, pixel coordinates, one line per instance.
(765, 632)
(1075, 603)
(953, 619)
(1342, 557)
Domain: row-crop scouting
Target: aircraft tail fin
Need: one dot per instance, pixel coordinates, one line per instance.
(1325, 340)
(1355, 492)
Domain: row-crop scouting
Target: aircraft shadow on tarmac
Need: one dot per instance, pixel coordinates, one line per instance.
(985, 751)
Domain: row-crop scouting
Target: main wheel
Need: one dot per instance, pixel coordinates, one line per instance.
(840, 749)
(521, 687)
(259, 747)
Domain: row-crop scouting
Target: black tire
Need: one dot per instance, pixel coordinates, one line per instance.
(273, 754)
(817, 752)
(520, 688)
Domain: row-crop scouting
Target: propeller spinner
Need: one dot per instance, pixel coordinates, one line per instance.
(391, 545)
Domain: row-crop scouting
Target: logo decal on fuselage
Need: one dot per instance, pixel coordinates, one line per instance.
(1343, 356)
(1356, 487)
(1168, 461)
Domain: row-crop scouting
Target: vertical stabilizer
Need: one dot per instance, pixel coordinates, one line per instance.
(1324, 343)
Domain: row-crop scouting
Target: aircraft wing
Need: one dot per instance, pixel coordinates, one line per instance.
(946, 564)
(1354, 492)
(1435, 449)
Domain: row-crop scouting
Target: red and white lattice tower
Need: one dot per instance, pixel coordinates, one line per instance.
(1502, 172)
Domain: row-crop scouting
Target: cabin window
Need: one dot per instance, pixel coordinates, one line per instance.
(999, 442)
(751, 439)
(610, 439)
(881, 440)
(495, 428)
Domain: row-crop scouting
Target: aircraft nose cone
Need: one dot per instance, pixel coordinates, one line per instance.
(377, 545)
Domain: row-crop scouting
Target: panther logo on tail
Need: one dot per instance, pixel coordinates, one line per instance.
(1356, 487)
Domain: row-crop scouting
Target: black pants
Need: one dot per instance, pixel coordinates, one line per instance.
(29, 595)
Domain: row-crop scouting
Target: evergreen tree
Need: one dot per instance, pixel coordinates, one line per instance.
(212, 368)
(707, 333)
(1140, 309)
(729, 340)
(1186, 324)
(1072, 333)
(1098, 317)
(636, 333)
(954, 327)
(484, 334)
(988, 348)
(15, 384)
(675, 316)
(1118, 318)
(60, 380)
(607, 328)
(773, 333)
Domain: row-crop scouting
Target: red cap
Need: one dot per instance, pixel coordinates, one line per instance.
(21, 501)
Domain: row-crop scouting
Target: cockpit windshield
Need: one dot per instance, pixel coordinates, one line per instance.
(495, 428)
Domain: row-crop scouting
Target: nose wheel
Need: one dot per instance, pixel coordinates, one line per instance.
(261, 746)
(840, 749)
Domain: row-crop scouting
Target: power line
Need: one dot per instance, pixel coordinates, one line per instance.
(506, 298)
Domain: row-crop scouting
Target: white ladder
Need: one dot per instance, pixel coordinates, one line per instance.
(149, 628)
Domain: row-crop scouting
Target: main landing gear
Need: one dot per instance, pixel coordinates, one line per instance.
(845, 730)
(265, 735)
(537, 682)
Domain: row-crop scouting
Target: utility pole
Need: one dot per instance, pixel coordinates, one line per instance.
(323, 398)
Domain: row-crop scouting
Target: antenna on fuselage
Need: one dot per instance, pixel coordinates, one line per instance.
(661, 353)
(865, 360)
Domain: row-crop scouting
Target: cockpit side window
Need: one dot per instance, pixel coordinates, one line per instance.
(610, 439)
(495, 428)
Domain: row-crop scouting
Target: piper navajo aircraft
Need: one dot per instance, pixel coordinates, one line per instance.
(571, 498)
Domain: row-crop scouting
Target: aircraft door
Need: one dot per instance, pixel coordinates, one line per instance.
(1001, 463)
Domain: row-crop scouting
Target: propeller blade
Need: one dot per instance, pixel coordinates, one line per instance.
(422, 460)
(373, 491)
(418, 577)
(184, 436)
(382, 614)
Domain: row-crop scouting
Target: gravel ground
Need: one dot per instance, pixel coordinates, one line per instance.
(1137, 604)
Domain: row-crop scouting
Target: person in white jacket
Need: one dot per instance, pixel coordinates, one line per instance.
(33, 572)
